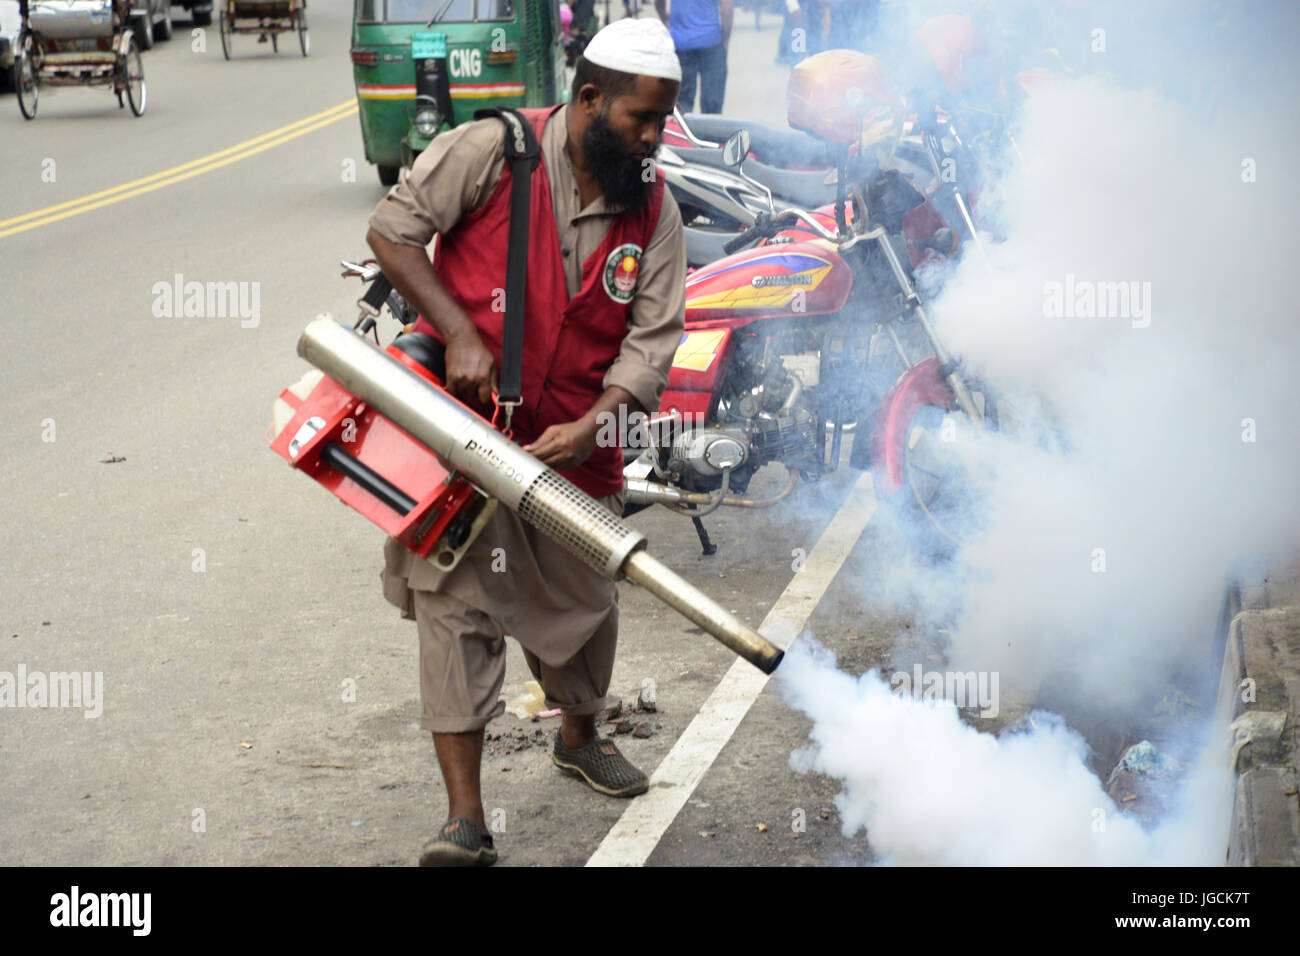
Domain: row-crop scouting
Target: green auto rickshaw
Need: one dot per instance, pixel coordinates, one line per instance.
(424, 66)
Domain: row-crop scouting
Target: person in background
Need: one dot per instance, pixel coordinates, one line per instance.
(802, 32)
(701, 31)
(853, 22)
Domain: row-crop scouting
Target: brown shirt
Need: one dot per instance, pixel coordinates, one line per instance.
(456, 174)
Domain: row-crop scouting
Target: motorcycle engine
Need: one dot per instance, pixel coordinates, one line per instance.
(769, 421)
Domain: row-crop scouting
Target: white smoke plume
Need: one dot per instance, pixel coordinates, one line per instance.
(1173, 441)
(931, 790)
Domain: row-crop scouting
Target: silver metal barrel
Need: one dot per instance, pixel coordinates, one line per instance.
(71, 19)
(541, 497)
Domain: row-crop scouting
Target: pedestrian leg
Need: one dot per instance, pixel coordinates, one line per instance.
(690, 63)
(713, 78)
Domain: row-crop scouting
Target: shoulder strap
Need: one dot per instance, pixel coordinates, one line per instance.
(523, 153)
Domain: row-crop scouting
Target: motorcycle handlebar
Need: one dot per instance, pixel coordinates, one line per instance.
(746, 238)
(377, 294)
(768, 225)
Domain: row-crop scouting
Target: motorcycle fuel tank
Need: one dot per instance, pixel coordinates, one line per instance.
(775, 280)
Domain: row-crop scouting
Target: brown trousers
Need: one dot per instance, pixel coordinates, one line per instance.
(512, 581)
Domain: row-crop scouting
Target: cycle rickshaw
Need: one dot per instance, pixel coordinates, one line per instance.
(78, 43)
(267, 18)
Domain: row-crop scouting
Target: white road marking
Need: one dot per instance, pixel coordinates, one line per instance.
(639, 830)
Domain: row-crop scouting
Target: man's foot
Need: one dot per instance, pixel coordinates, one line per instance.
(461, 843)
(602, 766)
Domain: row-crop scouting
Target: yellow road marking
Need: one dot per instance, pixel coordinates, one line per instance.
(176, 174)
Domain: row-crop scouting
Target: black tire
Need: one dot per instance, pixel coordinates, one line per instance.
(304, 41)
(136, 93)
(938, 504)
(163, 30)
(143, 33)
(275, 44)
(28, 93)
(203, 19)
(388, 174)
(224, 28)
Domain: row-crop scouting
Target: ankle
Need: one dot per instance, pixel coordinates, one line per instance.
(578, 731)
(467, 812)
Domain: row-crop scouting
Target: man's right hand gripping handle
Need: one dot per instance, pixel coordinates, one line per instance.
(471, 372)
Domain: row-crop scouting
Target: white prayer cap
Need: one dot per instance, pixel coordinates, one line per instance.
(643, 47)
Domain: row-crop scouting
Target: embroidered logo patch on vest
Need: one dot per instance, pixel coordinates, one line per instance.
(621, 270)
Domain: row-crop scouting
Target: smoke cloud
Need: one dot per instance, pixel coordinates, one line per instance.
(1134, 311)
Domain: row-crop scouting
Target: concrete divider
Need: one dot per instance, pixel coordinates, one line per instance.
(1258, 705)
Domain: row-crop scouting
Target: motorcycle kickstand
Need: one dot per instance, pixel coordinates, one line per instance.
(706, 545)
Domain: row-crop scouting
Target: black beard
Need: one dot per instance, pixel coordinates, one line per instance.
(618, 173)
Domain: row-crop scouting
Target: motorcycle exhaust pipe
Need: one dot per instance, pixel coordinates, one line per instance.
(642, 491)
(505, 471)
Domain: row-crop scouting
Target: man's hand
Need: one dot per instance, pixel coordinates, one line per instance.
(569, 445)
(471, 373)
(565, 446)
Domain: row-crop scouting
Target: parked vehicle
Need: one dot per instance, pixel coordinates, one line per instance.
(815, 333)
(11, 21)
(421, 68)
(199, 10)
(268, 19)
(152, 20)
(78, 43)
(716, 201)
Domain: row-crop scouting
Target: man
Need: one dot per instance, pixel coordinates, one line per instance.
(604, 313)
(701, 31)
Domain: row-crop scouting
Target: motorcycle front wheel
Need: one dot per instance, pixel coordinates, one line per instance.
(940, 502)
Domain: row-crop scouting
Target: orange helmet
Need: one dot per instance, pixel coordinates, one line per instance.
(835, 94)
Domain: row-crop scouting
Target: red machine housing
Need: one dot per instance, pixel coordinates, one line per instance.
(331, 419)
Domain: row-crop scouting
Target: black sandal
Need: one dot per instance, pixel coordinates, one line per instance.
(461, 842)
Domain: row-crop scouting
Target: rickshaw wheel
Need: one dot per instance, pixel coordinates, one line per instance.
(275, 43)
(28, 85)
(304, 41)
(224, 26)
(134, 80)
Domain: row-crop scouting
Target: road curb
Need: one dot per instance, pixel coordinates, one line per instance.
(1258, 704)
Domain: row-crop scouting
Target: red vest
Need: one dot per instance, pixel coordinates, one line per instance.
(569, 344)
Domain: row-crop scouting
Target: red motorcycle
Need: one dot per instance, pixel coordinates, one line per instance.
(816, 333)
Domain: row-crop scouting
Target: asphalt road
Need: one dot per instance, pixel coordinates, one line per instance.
(149, 535)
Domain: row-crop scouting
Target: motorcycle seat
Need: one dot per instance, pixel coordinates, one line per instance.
(806, 189)
(773, 146)
(705, 245)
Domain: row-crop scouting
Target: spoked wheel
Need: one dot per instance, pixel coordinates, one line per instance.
(939, 501)
(133, 78)
(28, 86)
(304, 41)
(275, 43)
(226, 28)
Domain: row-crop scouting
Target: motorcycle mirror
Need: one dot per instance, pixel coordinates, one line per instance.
(736, 148)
